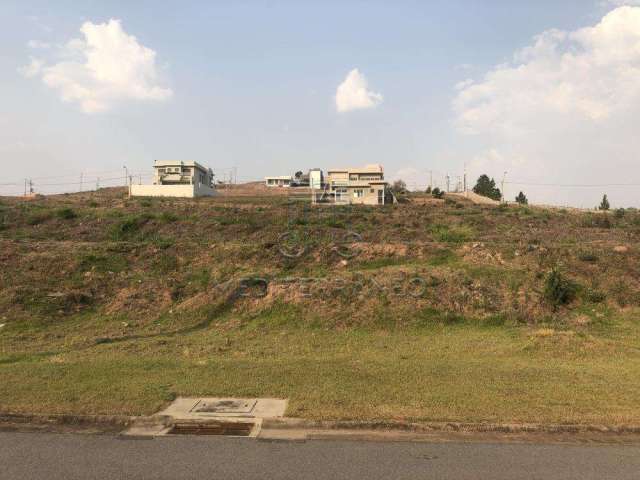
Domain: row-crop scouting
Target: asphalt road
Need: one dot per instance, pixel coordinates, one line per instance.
(54, 456)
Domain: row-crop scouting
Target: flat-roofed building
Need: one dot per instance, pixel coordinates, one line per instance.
(281, 181)
(177, 178)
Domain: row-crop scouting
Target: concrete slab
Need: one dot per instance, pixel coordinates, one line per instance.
(193, 408)
(211, 413)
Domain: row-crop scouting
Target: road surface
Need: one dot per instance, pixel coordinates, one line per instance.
(54, 456)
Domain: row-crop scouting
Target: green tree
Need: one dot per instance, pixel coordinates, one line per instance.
(486, 187)
(604, 204)
(428, 190)
(437, 193)
(522, 199)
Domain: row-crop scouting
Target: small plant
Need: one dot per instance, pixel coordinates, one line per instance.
(168, 217)
(618, 213)
(594, 296)
(589, 257)
(66, 213)
(558, 290)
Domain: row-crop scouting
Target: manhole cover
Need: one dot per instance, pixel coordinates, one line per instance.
(236, 429)
(224, 406)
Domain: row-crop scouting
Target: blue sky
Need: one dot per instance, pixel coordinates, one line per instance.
(253, 85)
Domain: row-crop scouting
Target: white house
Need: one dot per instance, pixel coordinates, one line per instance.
(176, 178)
(281, 181)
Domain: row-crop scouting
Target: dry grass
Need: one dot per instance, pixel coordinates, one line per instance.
(435, 311)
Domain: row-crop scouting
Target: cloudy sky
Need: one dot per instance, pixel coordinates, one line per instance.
(546, 91)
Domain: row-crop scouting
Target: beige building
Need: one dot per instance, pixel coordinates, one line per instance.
(175, 178)
(365, 185)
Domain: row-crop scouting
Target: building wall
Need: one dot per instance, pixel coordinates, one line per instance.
(184, 191)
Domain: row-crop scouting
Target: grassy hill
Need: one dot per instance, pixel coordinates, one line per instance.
(439, 310)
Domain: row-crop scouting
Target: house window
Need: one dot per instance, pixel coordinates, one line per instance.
(358, 192)
(371, 190)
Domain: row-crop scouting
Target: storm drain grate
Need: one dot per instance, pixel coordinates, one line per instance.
(236, 429)
(224, 406)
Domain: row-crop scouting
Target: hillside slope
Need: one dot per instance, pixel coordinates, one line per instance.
(94, 276)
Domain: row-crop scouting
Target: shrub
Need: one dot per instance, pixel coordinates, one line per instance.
(437, 193)
(38, 218)
(522, 199)
(558, 290)
(618, 213)
(66, 213)
(126, 228)
(102, 263)
(604, 204)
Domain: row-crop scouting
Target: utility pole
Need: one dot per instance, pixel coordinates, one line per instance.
(127, 177)
(30, 186)
(81, 180)
(25, 187)
(430, 179)
(465, 179)
(502, 185)
(447, 183)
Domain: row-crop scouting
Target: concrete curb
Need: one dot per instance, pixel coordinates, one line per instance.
(123, 421)
(427, 427)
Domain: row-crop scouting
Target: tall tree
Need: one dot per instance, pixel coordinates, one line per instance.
(604, 204)
(486, 187)
(399, 186)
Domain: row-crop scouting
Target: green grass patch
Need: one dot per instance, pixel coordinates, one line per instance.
(452, 234)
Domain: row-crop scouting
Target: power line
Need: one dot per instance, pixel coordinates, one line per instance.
(578, 185)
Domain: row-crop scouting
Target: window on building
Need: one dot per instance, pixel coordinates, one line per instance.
(358, 192)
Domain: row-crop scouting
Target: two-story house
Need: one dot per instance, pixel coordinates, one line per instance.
(364, 185)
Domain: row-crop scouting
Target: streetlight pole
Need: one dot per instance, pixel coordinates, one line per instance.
(127, 179)
(502, 185)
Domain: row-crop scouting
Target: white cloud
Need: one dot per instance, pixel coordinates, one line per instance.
(36, 44)
(564, 110)
(32, 69)
(588, 74)
(353, 93)
(619, 3)
(106, 67)
(463, 84)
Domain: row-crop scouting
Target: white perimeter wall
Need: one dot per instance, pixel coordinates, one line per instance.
(185, 191)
